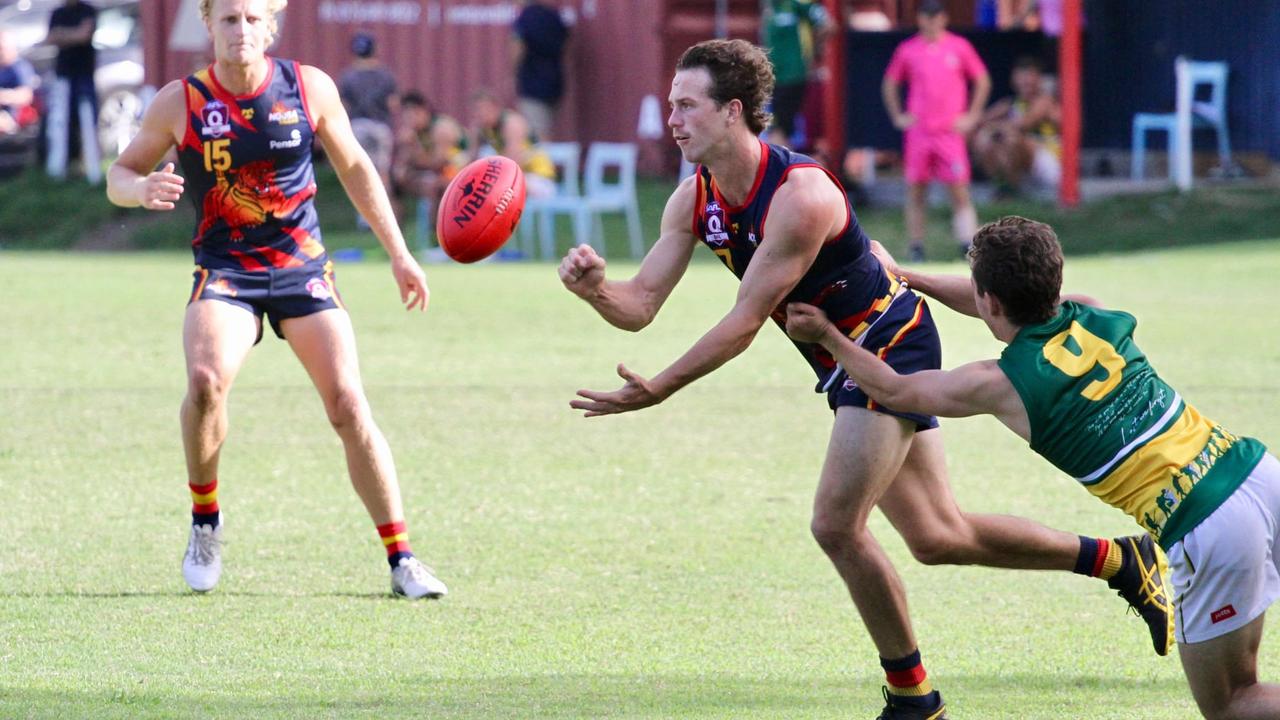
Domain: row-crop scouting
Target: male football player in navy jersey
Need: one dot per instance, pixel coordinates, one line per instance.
(244, 129)
(782, 225)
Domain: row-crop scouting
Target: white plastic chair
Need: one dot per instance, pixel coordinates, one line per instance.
(567, 157)
(1190, 76)
(599, 196)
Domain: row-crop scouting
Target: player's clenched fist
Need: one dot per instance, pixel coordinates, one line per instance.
(160, 189)
(806, 323)
(582, 271)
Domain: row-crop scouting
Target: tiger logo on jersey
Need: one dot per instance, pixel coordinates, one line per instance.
(244, 198)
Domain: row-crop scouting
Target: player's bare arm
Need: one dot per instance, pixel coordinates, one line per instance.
(632, 304)
(132, 180)
(809, 210)
(978, 388)
(360, 179)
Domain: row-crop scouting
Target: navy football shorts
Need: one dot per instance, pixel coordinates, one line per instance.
(278, 293)
(905, 338)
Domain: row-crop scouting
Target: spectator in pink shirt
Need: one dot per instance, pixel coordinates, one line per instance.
(937, 66)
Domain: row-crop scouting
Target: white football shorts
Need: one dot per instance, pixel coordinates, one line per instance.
(1226, 571)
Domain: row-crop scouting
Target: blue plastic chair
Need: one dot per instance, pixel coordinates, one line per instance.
(1210, 113)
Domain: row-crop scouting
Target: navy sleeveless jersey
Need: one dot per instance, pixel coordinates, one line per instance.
(247, 162)
(845, 280)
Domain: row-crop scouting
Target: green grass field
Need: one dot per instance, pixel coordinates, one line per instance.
(656, 565)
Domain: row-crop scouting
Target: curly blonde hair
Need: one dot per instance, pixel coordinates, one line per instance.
(274, 8)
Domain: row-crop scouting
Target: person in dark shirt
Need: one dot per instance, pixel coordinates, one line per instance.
(368, 91)
(538, 40)
(71, 29)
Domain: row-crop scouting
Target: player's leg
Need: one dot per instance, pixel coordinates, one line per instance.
(923, 509)
(1223, 675)
(864, 454)
(325, 344)
(1226, 573)
(216, 338)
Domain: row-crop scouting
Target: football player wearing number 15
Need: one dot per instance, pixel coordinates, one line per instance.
(1072, 383)
(244, 129)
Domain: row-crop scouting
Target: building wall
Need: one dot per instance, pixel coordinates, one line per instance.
(449, 48)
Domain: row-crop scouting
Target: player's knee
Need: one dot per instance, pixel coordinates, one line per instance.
(836, 535)
(346, 409)
(930, 547)
(206, 387)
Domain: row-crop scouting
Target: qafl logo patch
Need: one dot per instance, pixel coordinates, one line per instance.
(716, 234)
(215, 119)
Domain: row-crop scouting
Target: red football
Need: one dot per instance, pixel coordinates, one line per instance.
(480, 208)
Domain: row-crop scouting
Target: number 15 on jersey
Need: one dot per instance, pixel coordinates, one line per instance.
(217, 155)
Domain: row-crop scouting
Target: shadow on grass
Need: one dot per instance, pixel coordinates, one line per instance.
(587, 696)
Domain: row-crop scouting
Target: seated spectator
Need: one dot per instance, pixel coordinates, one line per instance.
(1018, 136)
(430, 149)
(18, 82)
(499, 131)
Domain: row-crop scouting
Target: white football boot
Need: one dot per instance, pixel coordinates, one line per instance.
(202, 565)
(414, 580)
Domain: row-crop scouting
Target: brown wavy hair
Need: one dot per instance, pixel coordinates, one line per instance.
(274, 8)
(739, 71)
(1020, 262)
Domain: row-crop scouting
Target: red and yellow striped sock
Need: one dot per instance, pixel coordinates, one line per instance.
(204, 503)
(906, 677)
(1099, 557)
(396, 539)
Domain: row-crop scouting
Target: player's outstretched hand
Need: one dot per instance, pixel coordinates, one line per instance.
(161, 189)
(582, 271)
(412, 282)
(806, 323)
(636, 394)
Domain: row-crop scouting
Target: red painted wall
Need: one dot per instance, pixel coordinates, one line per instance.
(449, 48)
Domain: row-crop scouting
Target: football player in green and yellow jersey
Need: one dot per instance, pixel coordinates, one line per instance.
(1075, 386)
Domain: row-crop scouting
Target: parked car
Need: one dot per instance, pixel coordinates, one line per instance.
(119, 77)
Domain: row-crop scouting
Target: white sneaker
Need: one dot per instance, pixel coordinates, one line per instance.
(414, 580)
(202, 565)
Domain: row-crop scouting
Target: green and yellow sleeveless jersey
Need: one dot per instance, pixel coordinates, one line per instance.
(1099, 413)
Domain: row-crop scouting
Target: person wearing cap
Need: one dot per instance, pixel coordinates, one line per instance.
(938, 67)
(368, 91)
